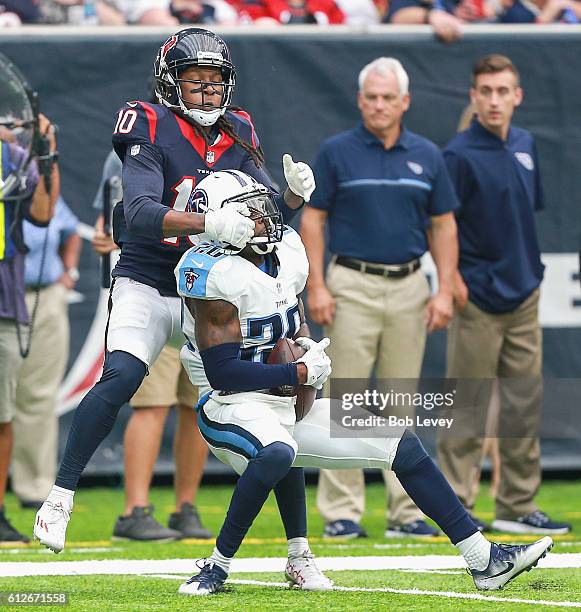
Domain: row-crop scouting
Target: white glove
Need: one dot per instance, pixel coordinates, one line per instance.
(305, 343)
(230, 224)
(318, 364)
(299, 177)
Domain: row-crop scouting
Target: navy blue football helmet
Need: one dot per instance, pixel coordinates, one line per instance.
(189, 48)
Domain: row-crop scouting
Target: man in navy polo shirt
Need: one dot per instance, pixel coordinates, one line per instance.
(495, 331)
(384, 192)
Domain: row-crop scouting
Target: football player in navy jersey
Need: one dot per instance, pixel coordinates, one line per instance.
(166, 149)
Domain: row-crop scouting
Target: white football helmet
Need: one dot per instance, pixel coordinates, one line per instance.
(229, 186)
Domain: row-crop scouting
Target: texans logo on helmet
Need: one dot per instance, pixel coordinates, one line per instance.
(169, 44)
(190, 277)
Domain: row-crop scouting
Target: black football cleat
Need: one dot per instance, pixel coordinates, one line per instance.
(210, 580)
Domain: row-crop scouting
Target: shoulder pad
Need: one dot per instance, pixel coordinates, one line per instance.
(291, 239)
(196, 270)
(244, 125)
(206, 274)
(292, 253)
(136, 122)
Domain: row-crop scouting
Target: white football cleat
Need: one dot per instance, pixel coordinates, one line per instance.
(507, 561)
(302, 573)
(50, 525)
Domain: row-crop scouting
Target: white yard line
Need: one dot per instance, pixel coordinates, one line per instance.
(447, 594)
(255, 565)
(415, 592)
(46, 551)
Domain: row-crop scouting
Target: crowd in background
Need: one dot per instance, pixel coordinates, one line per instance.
(445, 16)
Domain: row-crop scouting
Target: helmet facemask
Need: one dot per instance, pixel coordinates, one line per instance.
(263, 209)
(235, 188)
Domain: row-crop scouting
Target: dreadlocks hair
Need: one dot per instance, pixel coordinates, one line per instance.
(225, 126)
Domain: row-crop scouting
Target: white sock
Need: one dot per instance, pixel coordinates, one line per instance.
(475, 550)
(297, 546)
(220, 560)
(58, 494)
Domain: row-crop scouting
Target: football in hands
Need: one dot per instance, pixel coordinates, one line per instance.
(287, 351)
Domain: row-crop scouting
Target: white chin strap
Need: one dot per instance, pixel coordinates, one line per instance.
(263, 249)
(204, 118)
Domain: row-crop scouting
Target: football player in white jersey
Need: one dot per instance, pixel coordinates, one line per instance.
(237, 304)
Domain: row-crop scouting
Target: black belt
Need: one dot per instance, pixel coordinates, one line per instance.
(29, 288)
(389, 271)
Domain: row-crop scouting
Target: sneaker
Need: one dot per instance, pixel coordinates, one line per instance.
(7, 532)
(535, 522)
(141, 526)
(210, 580)
(344, 529)
(417, 529)
(508, 561)
(481, 525)
(302, 573)
(50, 524)
(187, 522)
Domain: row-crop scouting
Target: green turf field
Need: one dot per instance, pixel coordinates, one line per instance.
(410, 589)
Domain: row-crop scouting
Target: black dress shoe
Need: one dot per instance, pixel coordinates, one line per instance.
(7, 531)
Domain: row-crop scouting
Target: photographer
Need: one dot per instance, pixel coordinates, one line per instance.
(30, 184)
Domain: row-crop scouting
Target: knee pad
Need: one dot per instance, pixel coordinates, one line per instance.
(122, 375)
(410, 452)
(275, 460)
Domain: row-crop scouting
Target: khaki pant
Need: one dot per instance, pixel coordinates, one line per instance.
(10, 362)
(377, 321)
(35, 421)
(507, 346)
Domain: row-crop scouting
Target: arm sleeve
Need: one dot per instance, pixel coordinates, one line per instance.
(227, 372)
(143, 190)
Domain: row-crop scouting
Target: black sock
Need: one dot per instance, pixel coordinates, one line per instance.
(292, 504)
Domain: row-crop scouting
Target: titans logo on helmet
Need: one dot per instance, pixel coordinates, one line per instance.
(198, 202)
